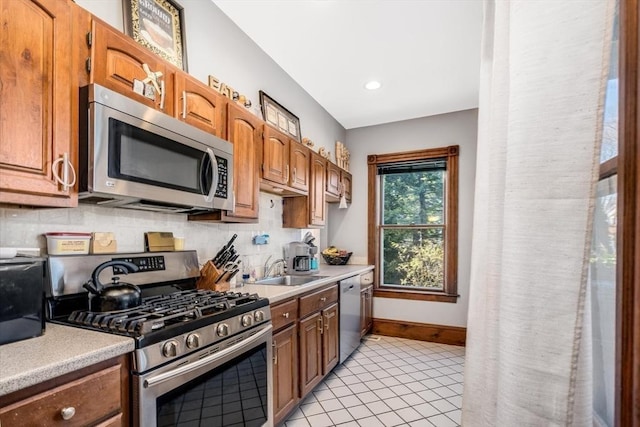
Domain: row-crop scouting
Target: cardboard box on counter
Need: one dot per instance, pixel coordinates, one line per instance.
(103, 243)
(158, 241)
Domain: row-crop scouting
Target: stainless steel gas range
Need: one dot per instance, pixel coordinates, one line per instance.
(202, 357)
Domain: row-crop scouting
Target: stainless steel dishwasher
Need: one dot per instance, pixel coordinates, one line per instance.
(349, 316)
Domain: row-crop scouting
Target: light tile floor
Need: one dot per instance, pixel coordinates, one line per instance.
(388, 382)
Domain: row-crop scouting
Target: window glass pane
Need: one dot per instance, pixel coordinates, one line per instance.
(413, 198)
(610, 127)
(602, 279)
(413, 257)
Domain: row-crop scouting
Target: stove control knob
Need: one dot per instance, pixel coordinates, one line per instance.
(170, 348)
(258, 316)
(247, 320)
(193, 341)
(222, 330)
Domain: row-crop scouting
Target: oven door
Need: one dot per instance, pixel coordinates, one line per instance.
(226, 384)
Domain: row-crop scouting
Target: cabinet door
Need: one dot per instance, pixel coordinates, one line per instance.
(245, 132)
(199, 105)
(363, 312)
(316, 192)
(346, 184)
(275, 156)
(285, 371)
(117, 61)
(366, 310)
(299, 165)
(333, 182)
(330, 338)
(36, 125)
(310, 353)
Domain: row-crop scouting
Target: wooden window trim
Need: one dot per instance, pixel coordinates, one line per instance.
(627, 410)
(450, 292)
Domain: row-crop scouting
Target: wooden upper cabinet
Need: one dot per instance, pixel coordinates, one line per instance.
(117, 62)
(275, 156)
(198, 104)
(346, 184)
(299, 165)
(317, 190)
(245, 133)
(333, 182)
(37, 130)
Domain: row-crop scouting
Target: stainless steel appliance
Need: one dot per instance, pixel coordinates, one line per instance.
(298, 258)
(133, 156)
(21, 298)
(349, 316)
(201, 356)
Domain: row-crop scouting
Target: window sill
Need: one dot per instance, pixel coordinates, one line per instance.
(415, 295)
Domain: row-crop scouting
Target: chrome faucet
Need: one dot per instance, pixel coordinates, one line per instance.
(269, 267)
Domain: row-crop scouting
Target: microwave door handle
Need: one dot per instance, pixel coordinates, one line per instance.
(214, 185)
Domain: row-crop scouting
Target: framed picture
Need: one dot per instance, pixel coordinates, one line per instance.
(279, 117)
(159, 26)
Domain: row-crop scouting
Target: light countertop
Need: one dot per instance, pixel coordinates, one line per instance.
(60, 350)
(63, 349)
(277, 293)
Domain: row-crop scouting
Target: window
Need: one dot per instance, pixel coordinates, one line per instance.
(413, 217)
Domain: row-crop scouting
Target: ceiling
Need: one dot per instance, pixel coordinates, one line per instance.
(426, 53)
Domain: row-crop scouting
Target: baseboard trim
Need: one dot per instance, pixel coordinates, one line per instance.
(454, 335)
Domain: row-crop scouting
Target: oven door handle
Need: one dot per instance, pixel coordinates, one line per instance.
(155, 380)
(214, 184)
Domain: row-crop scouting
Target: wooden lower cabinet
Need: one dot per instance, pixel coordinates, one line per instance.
(93, 396)
(366, 309)
(285, 371)
(310, 352)
(319, 351)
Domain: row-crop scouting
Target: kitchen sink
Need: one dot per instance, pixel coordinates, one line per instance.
(289, 280)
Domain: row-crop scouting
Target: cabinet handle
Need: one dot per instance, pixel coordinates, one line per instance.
(285, 315)
(326, 325)
(66, 168)
(275, 352)
(320, 325)
(287, 172)
(294, 175)
(184, 104)
(162, 94)
(68, 412)
(323, 299)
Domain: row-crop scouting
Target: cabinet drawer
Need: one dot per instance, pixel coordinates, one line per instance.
(93, 398)
(284, 314)
(318, 300)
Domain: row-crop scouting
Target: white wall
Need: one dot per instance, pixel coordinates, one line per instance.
(348, 227)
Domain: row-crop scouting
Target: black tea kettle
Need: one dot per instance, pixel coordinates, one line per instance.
(117, 295)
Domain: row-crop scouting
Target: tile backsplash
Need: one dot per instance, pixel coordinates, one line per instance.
(23, 228)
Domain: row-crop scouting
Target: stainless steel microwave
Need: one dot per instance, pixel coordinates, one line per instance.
(133, 156)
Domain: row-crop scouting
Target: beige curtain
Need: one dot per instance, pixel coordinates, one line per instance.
(543, 74)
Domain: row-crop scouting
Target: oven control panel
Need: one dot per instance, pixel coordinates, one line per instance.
(144, 263)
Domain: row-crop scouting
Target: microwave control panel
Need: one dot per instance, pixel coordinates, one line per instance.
(223, 178)
(144, 264)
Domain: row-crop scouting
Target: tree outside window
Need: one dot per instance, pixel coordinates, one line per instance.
(413, 223)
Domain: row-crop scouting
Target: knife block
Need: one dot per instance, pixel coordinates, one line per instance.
(209, 274)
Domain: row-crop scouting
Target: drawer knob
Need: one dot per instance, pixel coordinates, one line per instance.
(323, 299)
(285, 315)
(68, 412)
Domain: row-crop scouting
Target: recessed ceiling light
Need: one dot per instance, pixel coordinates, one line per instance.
(373, 85)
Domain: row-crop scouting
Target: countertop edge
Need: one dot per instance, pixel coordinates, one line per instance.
(33, 361)
(278, 293)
